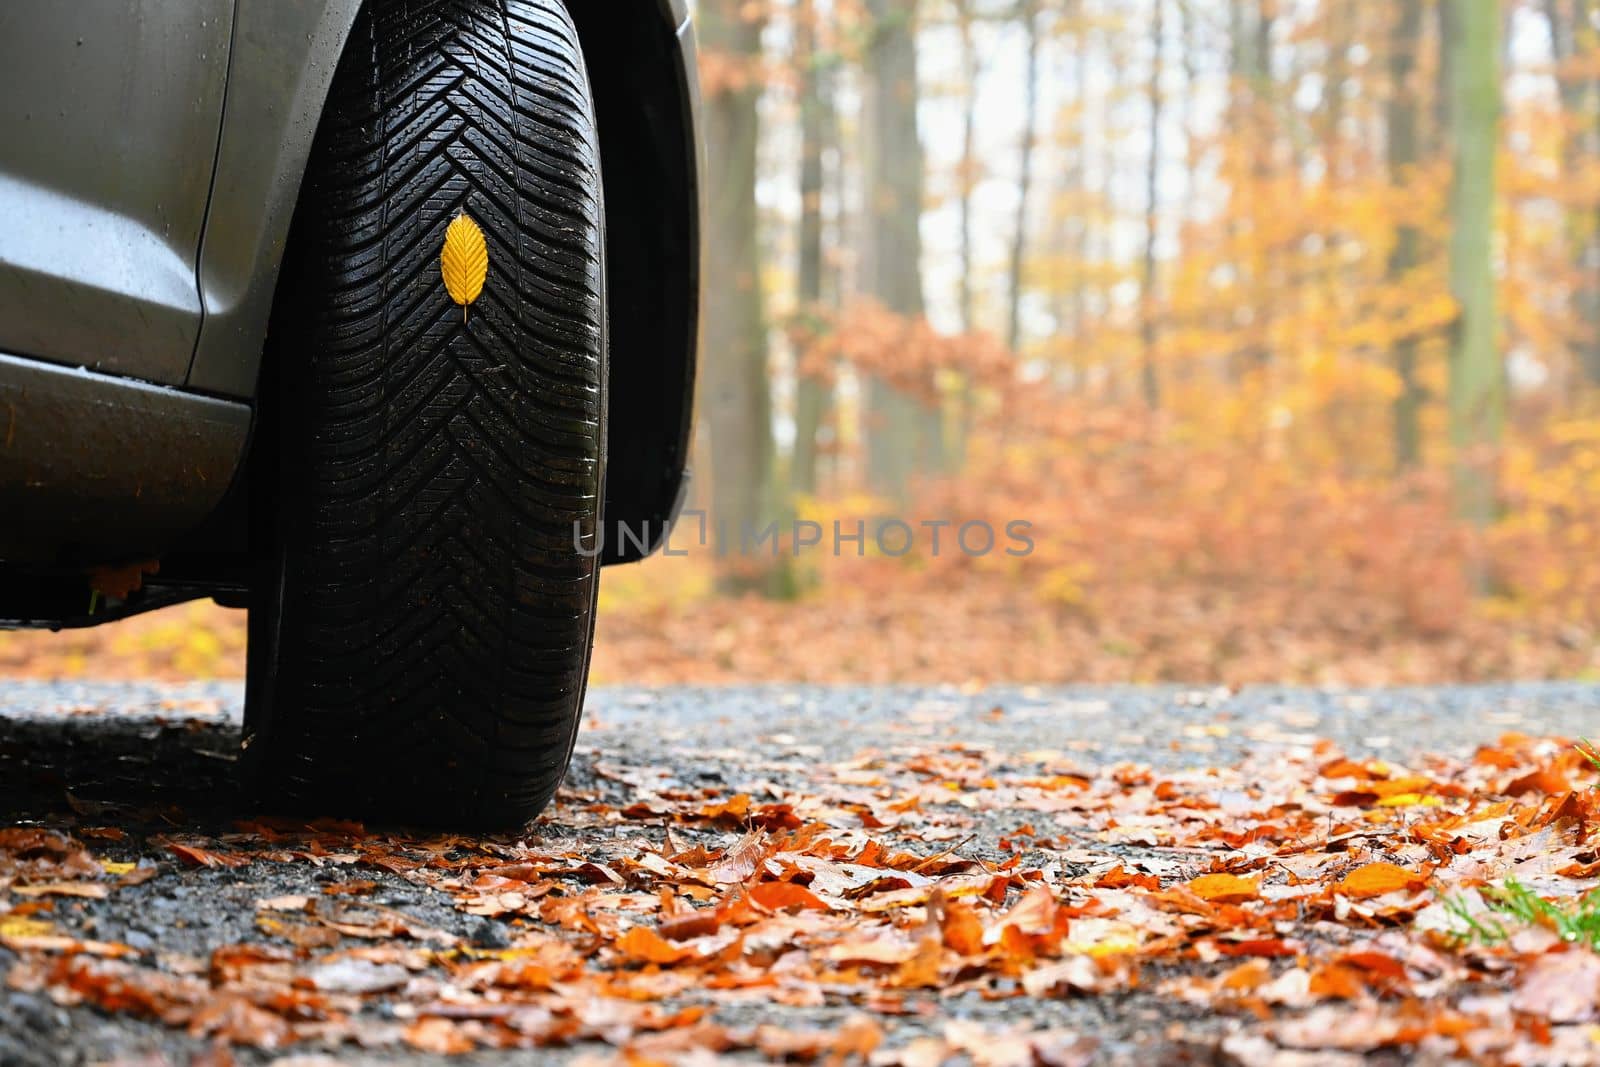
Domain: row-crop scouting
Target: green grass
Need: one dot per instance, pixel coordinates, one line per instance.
(1586, 748)
(1576, 921)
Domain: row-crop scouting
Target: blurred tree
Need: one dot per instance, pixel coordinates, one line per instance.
(1149, 381)
(1280, 221)
(1572, 45)
(813, 390)
(1339, 23)
(1074, 177)
(904, 433)
(967, 177)
(1477, 375)
(734, 397)
(1028, 13)
(967, 174)
(1444, 15)
(1249, 119)
(1405, 41)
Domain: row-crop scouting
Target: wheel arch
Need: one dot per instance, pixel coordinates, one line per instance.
(641, 58)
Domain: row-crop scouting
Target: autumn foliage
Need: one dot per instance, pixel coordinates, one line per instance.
(1231, 409)
(1320, 901)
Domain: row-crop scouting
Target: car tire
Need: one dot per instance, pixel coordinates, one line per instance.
(429, 477)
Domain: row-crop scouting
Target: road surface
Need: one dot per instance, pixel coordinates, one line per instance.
(137, 767)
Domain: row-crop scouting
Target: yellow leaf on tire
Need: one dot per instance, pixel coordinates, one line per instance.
(465, 260)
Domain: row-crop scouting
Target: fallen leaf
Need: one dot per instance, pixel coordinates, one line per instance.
(357, 976)
(1376, 879)
(643, 943)
(785, 896)
(691, 924)
(90, 890)
(440, 1036)
(1563, 987)
(196, 856)
(1225, 888)
(741, 860)
(293, 902)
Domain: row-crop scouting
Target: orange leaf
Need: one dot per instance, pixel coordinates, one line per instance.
(1376, 879)
(690, 924)
(1120, 878)
(1224, 888)
(1345, 768)
(1377, 963)
(440, 1036)
(962, 928)
(1397, 786)
(643, 943)
(122, 582)
(923, 970)
(785, 896)
(1247, 976)
(1262, 946)
(1543, 780)
(1337, 980)
(196, 856)
(730, 812)
(874, 950)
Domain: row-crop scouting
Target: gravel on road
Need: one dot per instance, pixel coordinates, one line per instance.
(152, 762)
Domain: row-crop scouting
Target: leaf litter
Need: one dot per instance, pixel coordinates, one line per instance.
(1323, 907)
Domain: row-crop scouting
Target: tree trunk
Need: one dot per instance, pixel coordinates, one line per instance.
(971, 68)
(734, 396)
(1571, 33)
(1149, 380)
(1584, 41)
(1075, 243)
(1444, 18)
(1477, 376)
(1405, 39)
(1190, 52)
(972, 73)
(1250, 67)
(816, 116)
(1339, 28)
(903, 436)
(1028, 10)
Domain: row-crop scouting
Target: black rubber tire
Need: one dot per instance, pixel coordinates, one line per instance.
(423, 611)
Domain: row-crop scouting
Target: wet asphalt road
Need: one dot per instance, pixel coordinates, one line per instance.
(160, 758)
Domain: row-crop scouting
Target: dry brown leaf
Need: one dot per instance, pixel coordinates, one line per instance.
(122, 581)
(439, 1036)
(741, 860)
(1563, 987)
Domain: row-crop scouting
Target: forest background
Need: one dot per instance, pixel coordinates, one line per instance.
(1278, 320)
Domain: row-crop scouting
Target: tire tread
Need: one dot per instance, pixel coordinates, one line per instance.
(431, 643)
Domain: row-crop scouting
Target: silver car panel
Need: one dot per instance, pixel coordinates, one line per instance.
(284, 55)
(141, 465)
(108, 134)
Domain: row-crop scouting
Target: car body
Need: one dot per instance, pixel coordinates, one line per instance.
(151, 159)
